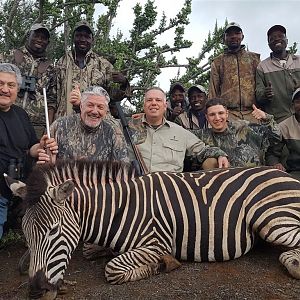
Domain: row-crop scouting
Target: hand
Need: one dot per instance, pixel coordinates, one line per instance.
(258, 114)
(137, 116)
(269, 91)
(280, 167)
(49, 147)
(75, 96)
(223, 162)
(43, 157)
(177, 110)
(118, 77)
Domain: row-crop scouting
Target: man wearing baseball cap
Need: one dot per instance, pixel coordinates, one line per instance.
(194, 117)
(290, 129)
(177, 101)
(277, 76)
(81, 67)
(37, 72)
(232, 76)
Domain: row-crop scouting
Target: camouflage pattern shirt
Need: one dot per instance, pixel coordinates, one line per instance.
(232, 78)
(245, 143)
(97, 71)
(77, 141)
(45, 75)
(165, 147)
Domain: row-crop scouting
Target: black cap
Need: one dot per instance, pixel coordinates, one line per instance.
(178, 86)
(84, 24)
(276, 27)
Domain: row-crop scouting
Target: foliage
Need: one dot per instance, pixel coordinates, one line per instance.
(139, 54)
(12, 237)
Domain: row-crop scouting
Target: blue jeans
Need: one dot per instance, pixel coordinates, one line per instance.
(3, 213)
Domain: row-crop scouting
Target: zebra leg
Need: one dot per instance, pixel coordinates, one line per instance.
(138, 264)
(291, 260)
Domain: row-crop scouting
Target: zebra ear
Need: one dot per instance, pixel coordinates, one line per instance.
(17, 187)
(63, 191)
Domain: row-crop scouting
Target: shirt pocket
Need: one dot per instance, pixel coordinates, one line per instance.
(174, 153)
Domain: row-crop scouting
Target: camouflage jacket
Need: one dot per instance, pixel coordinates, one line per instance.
(245, 143)
(76, 141)
(232, 78)
(45, 75)
(97, 71)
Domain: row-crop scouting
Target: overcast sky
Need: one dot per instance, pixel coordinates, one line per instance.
(255, 18)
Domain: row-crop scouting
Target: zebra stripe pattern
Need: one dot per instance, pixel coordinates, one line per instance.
(209, 216)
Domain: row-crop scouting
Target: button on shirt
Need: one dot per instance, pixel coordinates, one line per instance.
(166, 146)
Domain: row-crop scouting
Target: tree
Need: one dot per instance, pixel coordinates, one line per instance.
(139, 56)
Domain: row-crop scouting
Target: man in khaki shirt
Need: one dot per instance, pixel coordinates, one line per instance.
(164, 144)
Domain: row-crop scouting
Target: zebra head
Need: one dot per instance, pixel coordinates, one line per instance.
(52, 231)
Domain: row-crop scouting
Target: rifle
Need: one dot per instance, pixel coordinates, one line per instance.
(138, 163)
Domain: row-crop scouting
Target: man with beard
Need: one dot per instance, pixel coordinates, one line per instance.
(194, 117)
(290, 129)
(232, 76)
(277, 76)
(81, 67)
(88, 135)
(37, 73)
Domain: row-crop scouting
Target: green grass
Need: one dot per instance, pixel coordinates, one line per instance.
(10, 238)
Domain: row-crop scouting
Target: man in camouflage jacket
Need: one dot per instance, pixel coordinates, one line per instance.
(40, 73)
(81, 67)
(245, 142)
(232, 76)
(87, 134)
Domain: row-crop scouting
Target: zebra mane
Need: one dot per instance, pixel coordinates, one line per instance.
(78, 170)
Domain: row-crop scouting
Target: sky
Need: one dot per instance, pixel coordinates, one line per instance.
(255, 17)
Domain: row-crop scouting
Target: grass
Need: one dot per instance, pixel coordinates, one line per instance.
(10, 238)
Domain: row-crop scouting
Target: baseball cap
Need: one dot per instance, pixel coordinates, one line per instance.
(233, 25)
(38, 26)
(276, 27)
(177, 85)
(198, 88)
(83, 23)
(295, 93)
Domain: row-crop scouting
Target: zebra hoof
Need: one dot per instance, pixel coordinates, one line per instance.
(168, 263)
(291, 260)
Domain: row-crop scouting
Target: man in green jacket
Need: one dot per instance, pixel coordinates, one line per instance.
(278, 76)
(290, 129)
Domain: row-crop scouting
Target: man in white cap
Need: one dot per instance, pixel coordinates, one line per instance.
(290, 129)
(37, 72)
(277, 76)
(232, 76)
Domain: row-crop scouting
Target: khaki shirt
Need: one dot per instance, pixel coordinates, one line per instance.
(164, 148)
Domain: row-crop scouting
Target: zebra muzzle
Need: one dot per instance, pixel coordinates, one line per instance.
(40, 288)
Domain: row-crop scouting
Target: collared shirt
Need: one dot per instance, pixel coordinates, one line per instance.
(165, 147)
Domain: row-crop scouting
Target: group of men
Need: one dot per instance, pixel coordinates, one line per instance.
(209, 133)
(249, 103)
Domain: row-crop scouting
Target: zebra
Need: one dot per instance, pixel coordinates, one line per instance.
(153, 220)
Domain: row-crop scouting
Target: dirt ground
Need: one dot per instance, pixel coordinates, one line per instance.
(257, 275)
